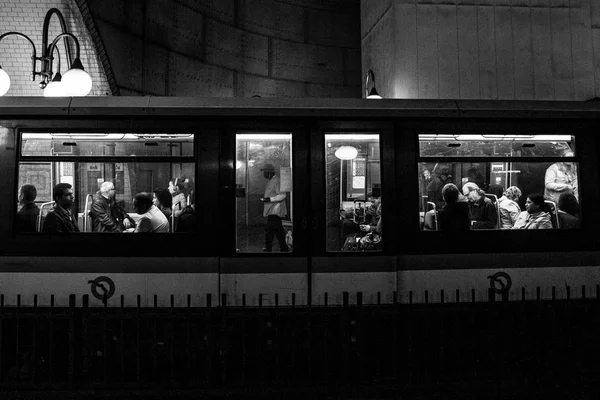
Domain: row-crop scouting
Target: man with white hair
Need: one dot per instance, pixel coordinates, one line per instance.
(106, 214)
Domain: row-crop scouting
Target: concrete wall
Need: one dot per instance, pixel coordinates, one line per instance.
(230, 48)
(27, 17)
(483, 49)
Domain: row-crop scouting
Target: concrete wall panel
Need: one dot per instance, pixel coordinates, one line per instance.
(309, 63)
(371, 12)
(449, 79)
(189, 77)
(406, 84)
(232, 48)
(378, 49)
(523, 53)
(468, 54)
(542, 54)
(273, 19)
(562, 61)
(128, 15)
(485, 28)
(583, 58)
(125, 58)
(222, 10)
(427, 50)
(504, 43)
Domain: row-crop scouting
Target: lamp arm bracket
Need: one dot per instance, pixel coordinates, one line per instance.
(65, 33)
(33, 50)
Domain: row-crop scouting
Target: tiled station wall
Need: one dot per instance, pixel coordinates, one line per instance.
(231, 48)
(27, 17)
(483, 49)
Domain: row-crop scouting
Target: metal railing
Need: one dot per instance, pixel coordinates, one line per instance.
(404, 346)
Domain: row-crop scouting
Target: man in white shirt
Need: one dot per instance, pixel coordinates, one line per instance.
(274, 209)
(151, 218)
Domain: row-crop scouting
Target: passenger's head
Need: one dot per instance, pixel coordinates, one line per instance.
(176, 185)
(535, 203)
(513, 193)
(107, 189)
(472, 192)
(268, 171)
(162, 198)
(444, 173)
(142, 202)
(27, 194)
(63, 195)
(450, 193)
(568, 203)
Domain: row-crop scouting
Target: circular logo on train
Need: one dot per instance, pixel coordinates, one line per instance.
(103, 288)
(500, 282)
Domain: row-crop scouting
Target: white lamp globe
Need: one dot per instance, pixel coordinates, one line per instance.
(76, 81)
(4, 82)
(55, 89)
(346, 153)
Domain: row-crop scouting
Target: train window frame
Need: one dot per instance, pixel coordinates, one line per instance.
(127, 244)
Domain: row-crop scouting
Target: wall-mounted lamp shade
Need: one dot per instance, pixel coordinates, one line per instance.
(55, 88)
(76, 81)
(346, 153)
(4, 82)
(373, 94)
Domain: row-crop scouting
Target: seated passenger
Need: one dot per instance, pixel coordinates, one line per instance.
(568, 211)
(535, 216)
(454, 215)
(28, 214)
(163, 200)
(151, 218)
(481, 209)
(509, 208)
(375, 225)
(106, 214)
(61, 219)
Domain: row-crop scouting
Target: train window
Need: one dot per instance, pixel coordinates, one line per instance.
(103, 189)
(512, 190)
(353, 182)
(264, 200)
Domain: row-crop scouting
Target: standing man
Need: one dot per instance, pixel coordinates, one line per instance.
(106, 215)
(61, 219)
(274, 209)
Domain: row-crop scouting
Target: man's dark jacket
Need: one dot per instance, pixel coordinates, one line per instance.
(60, 221)
(106, 215)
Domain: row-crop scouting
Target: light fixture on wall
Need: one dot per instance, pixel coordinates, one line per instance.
(371, 94)
(74, 82)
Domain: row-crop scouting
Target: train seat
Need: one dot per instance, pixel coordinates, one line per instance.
(553, 210)
(496, 204)
(430, 222)
(44, 208)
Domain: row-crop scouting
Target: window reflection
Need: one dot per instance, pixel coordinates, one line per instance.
(264, 192)
(353, 181)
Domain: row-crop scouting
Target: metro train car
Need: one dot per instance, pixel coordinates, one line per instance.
(280, 201)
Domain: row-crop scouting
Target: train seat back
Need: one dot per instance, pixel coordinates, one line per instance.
(44, 208)
(553, 211)
(496, 204)
(430, 222)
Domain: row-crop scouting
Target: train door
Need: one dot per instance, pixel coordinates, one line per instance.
(352, 180)
(265, 258)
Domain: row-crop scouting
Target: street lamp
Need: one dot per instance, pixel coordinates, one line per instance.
(74, 82)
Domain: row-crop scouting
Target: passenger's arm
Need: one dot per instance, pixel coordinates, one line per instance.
(179, 206)
(490, 218)
(550, 179)
(545, 223)
(143, 225)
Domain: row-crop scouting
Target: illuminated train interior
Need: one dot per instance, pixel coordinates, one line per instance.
(265, 199)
